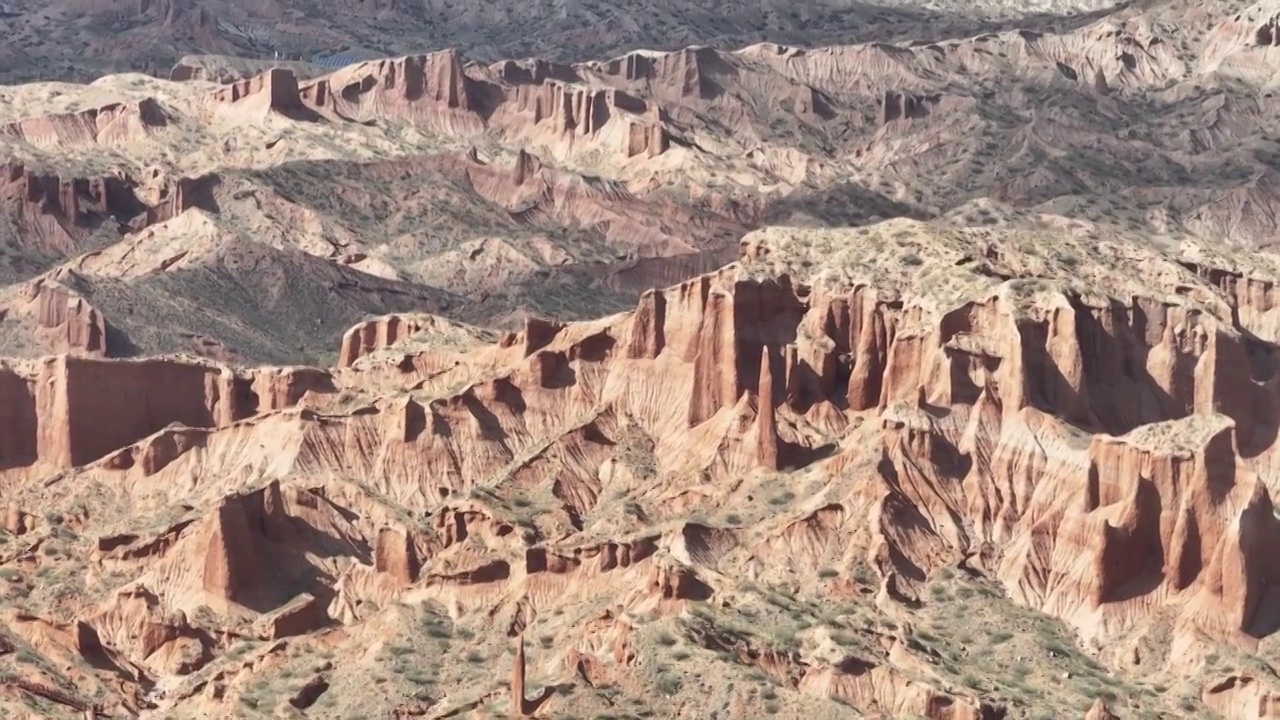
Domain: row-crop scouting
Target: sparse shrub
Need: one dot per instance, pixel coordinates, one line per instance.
(828, 573)
(669, 685)
(1051, 645)
(782, 499)
(667, 640)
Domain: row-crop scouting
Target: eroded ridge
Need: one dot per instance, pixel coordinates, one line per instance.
(755, 442)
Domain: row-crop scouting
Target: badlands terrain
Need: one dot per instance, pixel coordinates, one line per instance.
(934, 376)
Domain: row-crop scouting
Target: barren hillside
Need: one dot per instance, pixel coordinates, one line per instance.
(488, 192)
(83, 39)
(928, 377)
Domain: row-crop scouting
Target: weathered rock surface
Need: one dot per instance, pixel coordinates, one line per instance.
(55, 412)
(1100, 459)
(906, 469)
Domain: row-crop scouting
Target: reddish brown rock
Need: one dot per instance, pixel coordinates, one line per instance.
(182, 195)
(233, 562)
(519, 703)
(19, 420)
(646, 329)
(766, 419)
(1238, 697)
(55, 213)
(67, 321)
(428, 90)
(1100, 711)
(274, 91)
(377, 334)
(300, 616)
(15, 521)
(111, 124)
(50, 418)
(396, 555)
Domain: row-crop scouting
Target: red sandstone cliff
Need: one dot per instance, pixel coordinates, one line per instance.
(533, 101)
(1101, 459)
(56, 413)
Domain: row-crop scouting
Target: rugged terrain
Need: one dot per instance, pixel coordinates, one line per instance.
(150, 208)
(84, 39)
(922, 379)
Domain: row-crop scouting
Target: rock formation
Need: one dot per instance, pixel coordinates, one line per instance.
(374, 335)
(274, 91)
(57, 210)
(54, 411)
(68, 321)
(1100, 711)
(882, 467)
(109, 125)
(519, 705)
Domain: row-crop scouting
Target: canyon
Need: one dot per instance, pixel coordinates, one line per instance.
(930, 379)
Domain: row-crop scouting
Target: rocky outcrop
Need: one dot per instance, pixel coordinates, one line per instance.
(519, 703)
(267, 389)
(55, 212)
(301, 615)
(142, 397)
(429, 90)
(56, 413)
(902, 106)
(571, 111)
(232, 564)
(766, 419)
(1241, 696)
(66, 321)
(1100, 711)
(181, 195)
(108, 125)
(376, 334)
(56, 215)
(1173, 491)
(15, 521)
(19, 419)
(254, 547)
(396, 555)
(274, 91)
(647, 139)
(688, 73)
(544, 102)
